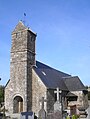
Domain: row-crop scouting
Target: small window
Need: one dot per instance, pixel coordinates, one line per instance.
(32, 38)
(18, 35)
(44, 73)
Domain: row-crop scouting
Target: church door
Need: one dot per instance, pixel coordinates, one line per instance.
(17, 104)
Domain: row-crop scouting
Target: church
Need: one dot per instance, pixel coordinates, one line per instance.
(30, 80)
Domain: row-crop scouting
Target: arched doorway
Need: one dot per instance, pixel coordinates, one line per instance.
(17, 104)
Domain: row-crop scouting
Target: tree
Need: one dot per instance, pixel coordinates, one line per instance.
(88, 95)
(88, 87)
(1, 94)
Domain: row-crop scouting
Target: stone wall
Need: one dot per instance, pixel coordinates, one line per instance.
(82, 100)
(50, 100)
(8, 97)
(17, 85)
(39, 90)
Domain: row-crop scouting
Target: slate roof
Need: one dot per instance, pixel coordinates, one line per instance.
(53, 78)
(74, 84)
(71, 95)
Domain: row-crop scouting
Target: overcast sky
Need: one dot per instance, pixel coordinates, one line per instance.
(63, 34)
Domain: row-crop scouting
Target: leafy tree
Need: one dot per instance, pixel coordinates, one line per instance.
(88, 95)
(1, 94)
(88, 87)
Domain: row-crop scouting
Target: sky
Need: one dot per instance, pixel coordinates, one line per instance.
(63, 34)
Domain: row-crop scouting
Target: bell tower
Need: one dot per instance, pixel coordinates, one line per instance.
(23, 40)
(21, 62)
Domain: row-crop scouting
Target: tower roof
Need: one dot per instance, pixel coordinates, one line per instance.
(19, 27)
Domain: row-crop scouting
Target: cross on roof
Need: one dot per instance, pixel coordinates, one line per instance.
(42, 101)
(58, 92)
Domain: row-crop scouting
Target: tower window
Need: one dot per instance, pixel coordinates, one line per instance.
(32, 38)
(18, 35)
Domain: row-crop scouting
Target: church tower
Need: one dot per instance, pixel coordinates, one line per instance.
(18, 91)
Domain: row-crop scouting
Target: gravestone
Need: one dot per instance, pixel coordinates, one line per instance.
(27, 115)
(58, 105)
(57, 114)
(42, 112)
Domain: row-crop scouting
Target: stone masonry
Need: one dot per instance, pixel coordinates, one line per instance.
(25, 89)
(18, 91)
(82, 100)
(39, 90)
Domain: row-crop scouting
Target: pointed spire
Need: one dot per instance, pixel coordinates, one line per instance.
(19, 27)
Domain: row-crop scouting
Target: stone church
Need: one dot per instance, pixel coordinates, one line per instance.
(30, 80)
